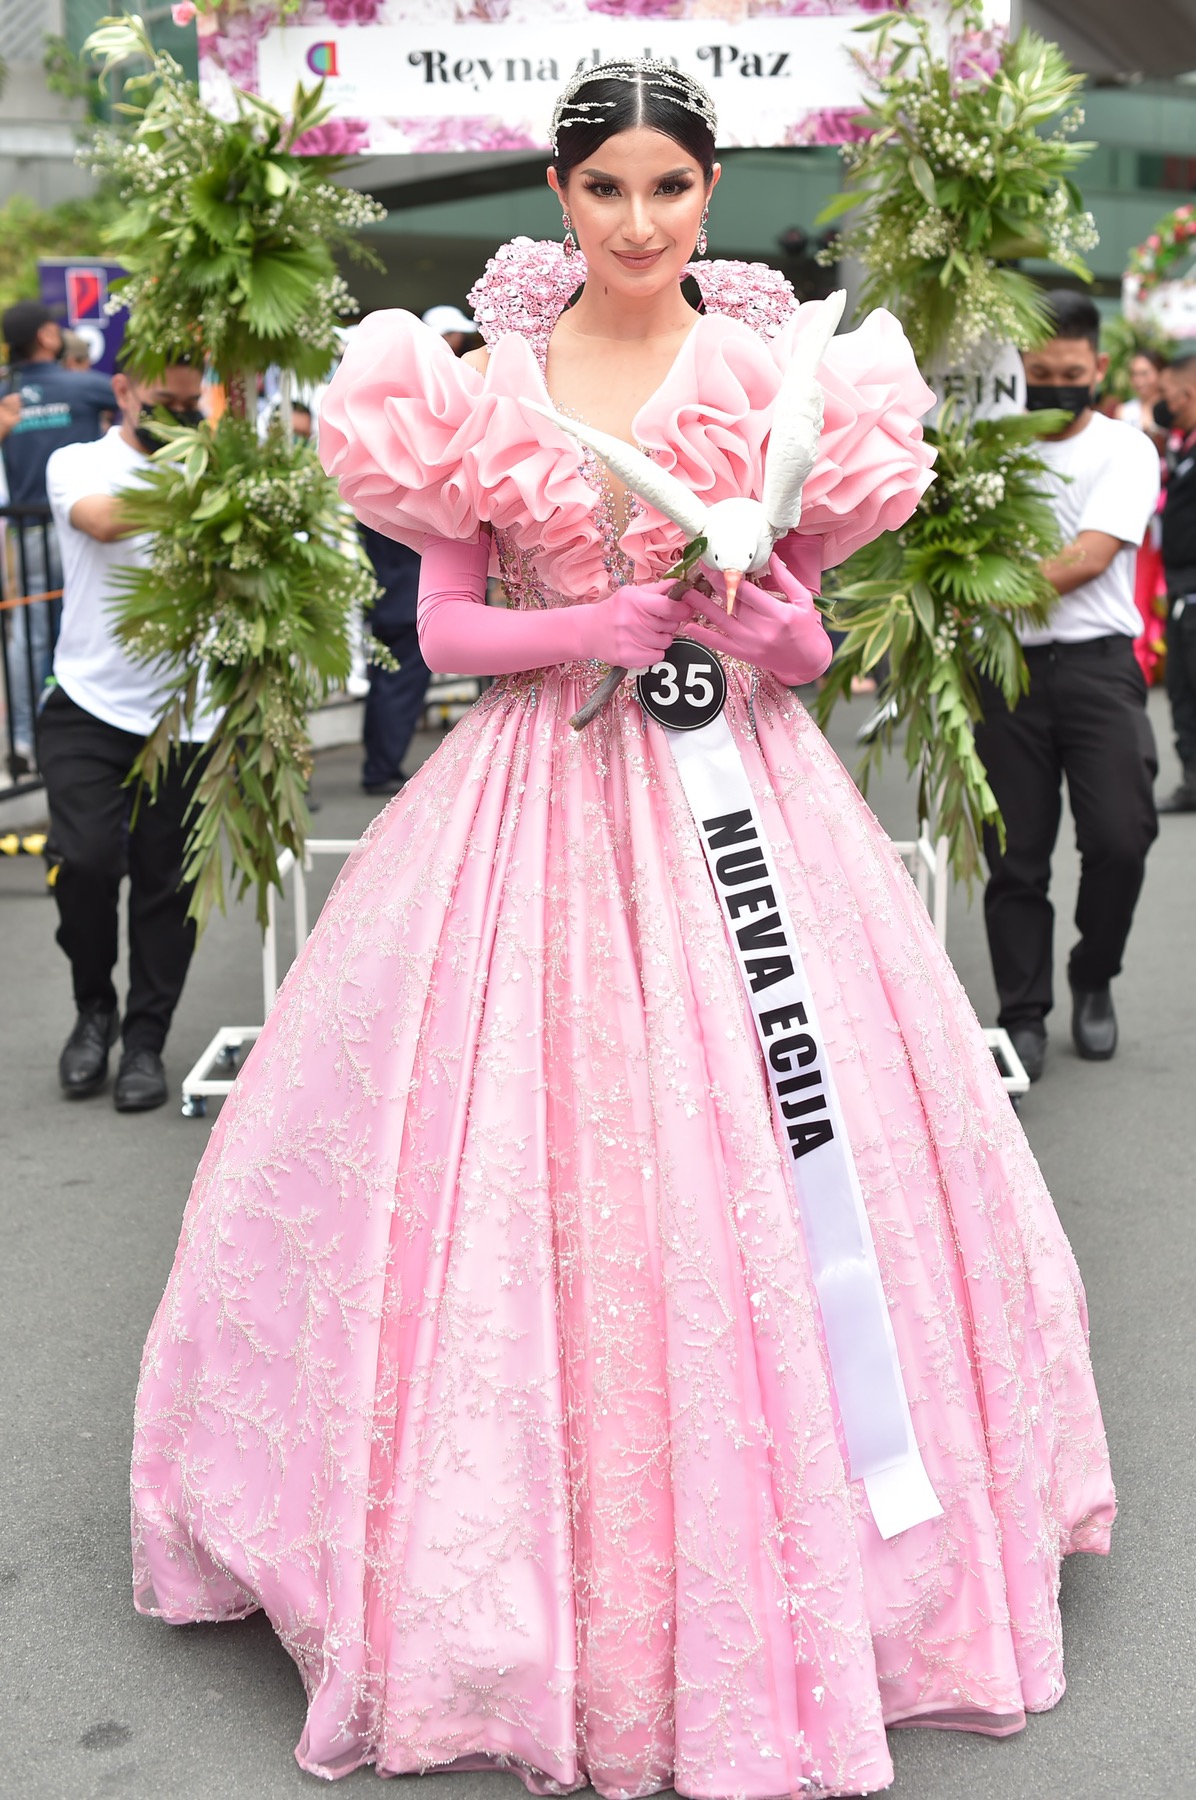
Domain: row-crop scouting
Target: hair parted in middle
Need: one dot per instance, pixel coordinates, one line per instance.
(622, 94)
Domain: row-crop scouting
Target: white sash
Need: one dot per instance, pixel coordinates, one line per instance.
(865, 1367)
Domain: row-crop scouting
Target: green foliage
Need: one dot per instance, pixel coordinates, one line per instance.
(969, 167)
(68, 75)
(254, 577)
(959, 179)
(229, 236)
(935, 604)
(73, 228)
(1123, 339)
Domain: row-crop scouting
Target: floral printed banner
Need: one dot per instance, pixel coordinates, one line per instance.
(444, 75)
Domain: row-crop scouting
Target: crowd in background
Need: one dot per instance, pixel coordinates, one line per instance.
(1127, 603)
(1164, 406)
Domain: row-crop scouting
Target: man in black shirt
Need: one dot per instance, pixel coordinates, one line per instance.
(58, 406)
(1179, 563)
(51, 406)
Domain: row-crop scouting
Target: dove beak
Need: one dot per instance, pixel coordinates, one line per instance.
(732, 577)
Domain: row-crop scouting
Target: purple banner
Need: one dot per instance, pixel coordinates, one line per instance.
(76, 290)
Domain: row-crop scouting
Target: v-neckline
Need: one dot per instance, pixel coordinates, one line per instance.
(662, 384)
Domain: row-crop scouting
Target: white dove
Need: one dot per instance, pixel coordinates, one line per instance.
(739, 534)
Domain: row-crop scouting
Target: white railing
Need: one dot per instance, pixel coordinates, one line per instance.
(215, 1070)
(930, 865)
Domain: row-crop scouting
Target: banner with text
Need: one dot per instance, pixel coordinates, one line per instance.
(405, 77)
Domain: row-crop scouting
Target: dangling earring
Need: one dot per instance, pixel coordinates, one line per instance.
(701, 243)
(570, 244)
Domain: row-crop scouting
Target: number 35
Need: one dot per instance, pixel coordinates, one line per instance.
(699, 689)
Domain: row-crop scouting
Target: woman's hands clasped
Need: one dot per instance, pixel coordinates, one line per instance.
(634, 626)
(779, 632)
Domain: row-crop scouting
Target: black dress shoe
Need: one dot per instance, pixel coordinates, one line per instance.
(380, 790)
(1030, 1041)
(1180, 800)
(1093, 1023)
(140, 1082)
(83, 1065)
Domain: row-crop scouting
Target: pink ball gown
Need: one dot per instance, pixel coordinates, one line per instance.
(490, 1365)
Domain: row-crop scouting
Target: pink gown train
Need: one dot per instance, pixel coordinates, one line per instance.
(490, 1365)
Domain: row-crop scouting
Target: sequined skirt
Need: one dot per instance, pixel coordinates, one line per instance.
(490, 1364)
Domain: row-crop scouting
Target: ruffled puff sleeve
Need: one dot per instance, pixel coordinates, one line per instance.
(709, 424)
(873, 463)
(422, 444)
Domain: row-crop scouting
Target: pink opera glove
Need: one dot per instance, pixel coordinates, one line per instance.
(779, 632)
(459, 634)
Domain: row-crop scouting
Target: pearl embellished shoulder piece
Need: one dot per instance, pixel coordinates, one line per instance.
(527, 285)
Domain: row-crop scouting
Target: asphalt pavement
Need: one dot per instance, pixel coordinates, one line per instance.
(100, 1702)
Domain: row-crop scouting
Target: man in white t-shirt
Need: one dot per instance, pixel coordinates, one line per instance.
(99, 709)
(1083, 717)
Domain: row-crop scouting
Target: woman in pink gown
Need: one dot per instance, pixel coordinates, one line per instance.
(492, 1364)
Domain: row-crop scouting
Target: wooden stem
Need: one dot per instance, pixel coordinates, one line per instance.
(610, 684)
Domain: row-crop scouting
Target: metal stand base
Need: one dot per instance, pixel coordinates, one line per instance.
(930, 865)
(927, 860)
(1013, 1074)
(215, 1071)
(224, 1054)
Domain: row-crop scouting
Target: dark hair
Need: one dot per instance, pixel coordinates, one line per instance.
(1181, 364)
(1073, 315)
(21, 324)
(1155, 358)
(623, 105)
(301, 406)
(126, 362)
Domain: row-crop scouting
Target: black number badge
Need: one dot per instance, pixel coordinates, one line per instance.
(686, 689)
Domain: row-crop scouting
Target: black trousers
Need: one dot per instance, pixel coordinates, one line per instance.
(393, 706)
(85, 763)
(1083, 719)
(1181, 678)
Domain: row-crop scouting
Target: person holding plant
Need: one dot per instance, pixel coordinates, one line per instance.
(495, 1364)
(1083, 718)
(97, 714)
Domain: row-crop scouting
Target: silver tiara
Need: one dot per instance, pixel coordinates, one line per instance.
(680, 89)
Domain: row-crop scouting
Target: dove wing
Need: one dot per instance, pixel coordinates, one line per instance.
(797, 420)
(636, 471)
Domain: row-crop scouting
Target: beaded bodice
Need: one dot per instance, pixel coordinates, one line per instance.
(524, 587)
(425, 446)
(527, 284)
(525, 288)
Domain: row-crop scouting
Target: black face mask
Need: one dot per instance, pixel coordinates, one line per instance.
(1043, 398)
(1164, 418)
(149, 440)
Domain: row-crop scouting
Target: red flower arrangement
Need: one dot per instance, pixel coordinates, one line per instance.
(1171, 242)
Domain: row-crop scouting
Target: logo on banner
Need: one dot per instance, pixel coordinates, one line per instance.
(321, 59)
(86, 292)
(686, 689)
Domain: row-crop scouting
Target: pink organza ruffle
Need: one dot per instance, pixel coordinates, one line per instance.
(422, 443)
